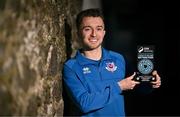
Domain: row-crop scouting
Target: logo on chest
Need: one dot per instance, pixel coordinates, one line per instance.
(86, 70)
(111, 66)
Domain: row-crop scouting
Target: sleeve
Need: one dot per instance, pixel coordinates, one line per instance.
(85, 100)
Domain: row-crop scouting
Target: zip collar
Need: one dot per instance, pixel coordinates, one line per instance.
(84, 61)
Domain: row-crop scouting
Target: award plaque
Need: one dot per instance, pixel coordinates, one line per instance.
(145, 63)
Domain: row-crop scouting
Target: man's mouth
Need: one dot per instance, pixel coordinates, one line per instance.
(93, 40)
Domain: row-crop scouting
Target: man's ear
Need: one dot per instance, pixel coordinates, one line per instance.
(104, 32)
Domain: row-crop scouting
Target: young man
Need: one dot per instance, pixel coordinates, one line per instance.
(95, 77)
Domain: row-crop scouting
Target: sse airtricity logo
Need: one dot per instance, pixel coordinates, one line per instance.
(111, 67)
(140, 49)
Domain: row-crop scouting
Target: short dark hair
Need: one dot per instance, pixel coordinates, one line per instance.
(93, 12)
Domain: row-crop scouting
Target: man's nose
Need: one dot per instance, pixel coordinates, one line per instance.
(93, 33)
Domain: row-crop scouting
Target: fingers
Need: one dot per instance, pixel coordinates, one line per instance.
(128, 83)
(133, 85)
(157, 83)
(154, 73)
(158, 80)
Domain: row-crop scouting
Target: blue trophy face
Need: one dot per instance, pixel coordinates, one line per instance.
(145, 66)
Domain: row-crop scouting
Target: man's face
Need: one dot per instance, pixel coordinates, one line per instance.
(92, 32)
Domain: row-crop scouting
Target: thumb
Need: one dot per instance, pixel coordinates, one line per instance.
(154, 73)
(132, 76)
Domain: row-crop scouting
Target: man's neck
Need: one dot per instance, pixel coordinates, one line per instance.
(95, 54)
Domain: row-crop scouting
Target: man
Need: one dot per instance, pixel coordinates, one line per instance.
(95, 78)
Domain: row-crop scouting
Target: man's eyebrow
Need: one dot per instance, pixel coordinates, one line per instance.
(86, 27)
(90, 26)
(100, 26)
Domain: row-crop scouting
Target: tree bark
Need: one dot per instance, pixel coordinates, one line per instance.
(36, 37)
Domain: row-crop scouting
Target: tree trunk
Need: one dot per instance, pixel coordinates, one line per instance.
(36, 37)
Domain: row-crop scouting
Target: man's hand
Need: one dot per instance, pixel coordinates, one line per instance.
(157, 83)
(128, 83)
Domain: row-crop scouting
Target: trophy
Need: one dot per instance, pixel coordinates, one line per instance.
(145, 63)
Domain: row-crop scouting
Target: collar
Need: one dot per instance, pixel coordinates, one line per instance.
(84, 61)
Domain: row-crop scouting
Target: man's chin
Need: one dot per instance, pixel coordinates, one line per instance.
(91, 48)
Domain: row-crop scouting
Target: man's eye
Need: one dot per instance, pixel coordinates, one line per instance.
(86, 29)
(99, 29)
